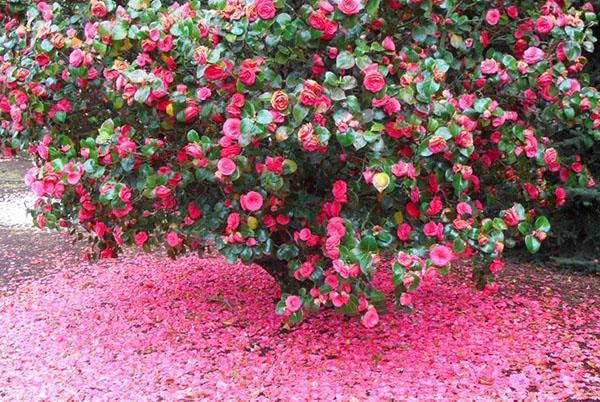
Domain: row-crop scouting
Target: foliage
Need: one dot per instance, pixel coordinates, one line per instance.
(311, 138)
(575, 240)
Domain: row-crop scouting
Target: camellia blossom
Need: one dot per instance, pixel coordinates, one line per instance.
(492, 16)
(251, 201)
(371, 318)
(226, 166)
(349, 7)
(489, 66)
(231, 128)
(293, 303)
(533, 55)
(441, 255)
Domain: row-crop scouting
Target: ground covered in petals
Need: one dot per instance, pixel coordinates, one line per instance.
(146, 328)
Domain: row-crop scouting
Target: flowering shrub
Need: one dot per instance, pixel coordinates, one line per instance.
(311, 138)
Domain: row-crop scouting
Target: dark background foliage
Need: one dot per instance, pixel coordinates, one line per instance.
(575, 240)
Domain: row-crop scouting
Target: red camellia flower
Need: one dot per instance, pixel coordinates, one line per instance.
(251, 201)
(339, 191)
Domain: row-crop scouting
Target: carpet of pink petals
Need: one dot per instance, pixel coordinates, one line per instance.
(146, 328)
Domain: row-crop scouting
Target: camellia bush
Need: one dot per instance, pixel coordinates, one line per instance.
(315, 139)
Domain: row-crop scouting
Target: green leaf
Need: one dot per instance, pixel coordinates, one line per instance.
(119, 31)
(142, 94)
(459, 246)
(532, 243)
(542, 224)
(572, 50)
(344, 61)
(368, 243)
(192, 136)
(427, 87)
(372, 8)
(299, 113)
(264, 117)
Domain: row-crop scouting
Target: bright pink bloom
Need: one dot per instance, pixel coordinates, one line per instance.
(371, 318)
(251, 201)
(293, 303)
(533, 55)
(489, 66)
(226, 166)
(492, 16)
(141, 238)
(231, 128)
(440, 255)
(349, 7)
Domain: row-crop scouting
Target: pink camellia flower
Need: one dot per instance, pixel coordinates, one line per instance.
(437, 144)
(464, 209)
(226, 166)
(388, 44)
(406, 299)
(349, 7)
(251, 201)
(374, 81)
(492, 16)
(489, 66)
(533, 55)
(293, 303)
(544, 24)
(76, 58)
(73, 177)
(265, 9)
(172, 239)
(98, 8)
(371, 318)
(441, 255)
(231, 128)
(141, 238)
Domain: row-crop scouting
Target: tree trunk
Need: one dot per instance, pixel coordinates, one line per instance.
(279, 271)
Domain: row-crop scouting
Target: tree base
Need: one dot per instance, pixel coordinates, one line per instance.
(279, 271)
